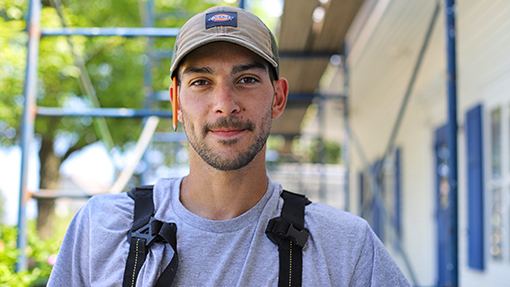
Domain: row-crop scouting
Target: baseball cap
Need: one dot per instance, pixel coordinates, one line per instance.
(226, 24)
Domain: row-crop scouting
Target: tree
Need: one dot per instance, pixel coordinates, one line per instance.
(115, 66)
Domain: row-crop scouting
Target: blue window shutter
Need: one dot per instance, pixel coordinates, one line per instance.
(475, 188)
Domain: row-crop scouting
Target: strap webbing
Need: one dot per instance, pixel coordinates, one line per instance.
(136, 257)
(144, 205)
(291, 255)
(289, 233)
(168, 232)
(145, 231)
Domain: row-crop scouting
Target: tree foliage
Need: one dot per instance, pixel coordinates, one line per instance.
(309, 150)
(115, 66)
(41, 256)
(12, 63)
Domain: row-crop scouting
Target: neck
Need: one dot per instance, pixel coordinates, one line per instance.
(223, 195)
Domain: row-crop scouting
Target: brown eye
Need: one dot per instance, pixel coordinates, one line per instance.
(247, 80)
(199, 83)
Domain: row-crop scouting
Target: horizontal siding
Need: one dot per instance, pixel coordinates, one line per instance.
(378, 83)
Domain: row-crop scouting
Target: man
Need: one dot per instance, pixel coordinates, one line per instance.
(229, 91)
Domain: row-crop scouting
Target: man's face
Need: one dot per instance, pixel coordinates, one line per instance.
(226, 99)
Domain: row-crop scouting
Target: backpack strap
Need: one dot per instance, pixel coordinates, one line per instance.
(145, 231)
(289, 233)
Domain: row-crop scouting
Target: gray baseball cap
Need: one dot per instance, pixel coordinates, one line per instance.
(226, 24)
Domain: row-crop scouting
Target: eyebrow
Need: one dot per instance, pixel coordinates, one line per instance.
(235, 70)
(197, 70)
(250, 66)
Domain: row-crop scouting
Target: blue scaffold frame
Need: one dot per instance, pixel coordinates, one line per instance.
(35, 32)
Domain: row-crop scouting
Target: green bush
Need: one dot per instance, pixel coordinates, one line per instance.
(41, 255)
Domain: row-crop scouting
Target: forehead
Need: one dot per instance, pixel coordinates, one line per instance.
(222, 54)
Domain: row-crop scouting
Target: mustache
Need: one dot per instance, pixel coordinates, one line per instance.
(232, 122)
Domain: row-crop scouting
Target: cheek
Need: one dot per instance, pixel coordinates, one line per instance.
(193, 114)
(261, 102)
(193, 107)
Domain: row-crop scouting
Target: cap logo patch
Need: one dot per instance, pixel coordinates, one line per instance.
(220, 19)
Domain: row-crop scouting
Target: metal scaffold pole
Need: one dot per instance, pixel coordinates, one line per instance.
(453, 257)
(31, 110)
(347, 140)
(242, 4)
(30, 90)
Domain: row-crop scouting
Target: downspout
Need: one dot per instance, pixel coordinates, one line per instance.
(452, 127)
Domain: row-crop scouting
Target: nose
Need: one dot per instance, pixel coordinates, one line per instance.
(226, 101)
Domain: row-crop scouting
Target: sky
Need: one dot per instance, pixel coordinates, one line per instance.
(92, 164)
(10, 170)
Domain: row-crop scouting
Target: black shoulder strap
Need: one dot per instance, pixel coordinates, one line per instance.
(289, 233)
(145, 231)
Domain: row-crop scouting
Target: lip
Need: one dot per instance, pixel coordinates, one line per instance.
(227, 133)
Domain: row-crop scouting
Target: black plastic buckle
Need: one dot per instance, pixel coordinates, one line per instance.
(149, 231)
(279, 228)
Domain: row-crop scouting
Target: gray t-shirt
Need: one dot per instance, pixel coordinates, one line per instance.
(341, 250)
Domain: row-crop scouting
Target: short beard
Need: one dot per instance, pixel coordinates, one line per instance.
(243, 159)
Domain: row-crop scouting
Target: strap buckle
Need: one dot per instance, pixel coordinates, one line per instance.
(279, 228)
(149, 232)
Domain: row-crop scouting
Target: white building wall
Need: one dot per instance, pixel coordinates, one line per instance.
(483, 46)
(418, 195)
(484, 77)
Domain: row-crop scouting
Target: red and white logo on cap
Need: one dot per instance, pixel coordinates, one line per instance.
(221, 18)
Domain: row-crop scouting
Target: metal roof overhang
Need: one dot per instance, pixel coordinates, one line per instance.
(305, 51)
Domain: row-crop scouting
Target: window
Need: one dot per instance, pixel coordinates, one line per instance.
(496, 223)
(498, 184)
(496, 216)
(496, 143)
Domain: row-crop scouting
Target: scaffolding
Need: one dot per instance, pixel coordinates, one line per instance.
(31, 110)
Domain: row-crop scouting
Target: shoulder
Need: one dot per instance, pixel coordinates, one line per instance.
(107, 199)
(95, 238)
(337, 231)
(111, 203)
(344, 239)
(108, 210)
(319, 215)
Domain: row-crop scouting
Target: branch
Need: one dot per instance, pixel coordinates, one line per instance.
(72, 149)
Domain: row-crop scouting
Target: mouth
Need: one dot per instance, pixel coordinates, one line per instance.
(228, 127)
(227, 132)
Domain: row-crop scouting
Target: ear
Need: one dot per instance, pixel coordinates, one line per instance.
(171, 90)
(281, 90)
